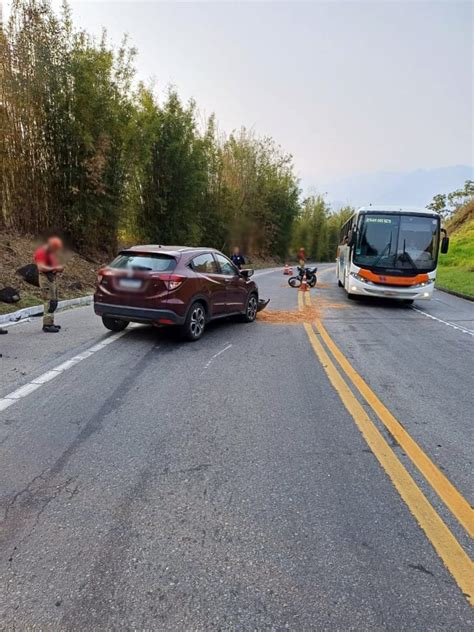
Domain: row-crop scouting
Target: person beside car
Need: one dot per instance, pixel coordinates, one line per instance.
(236, 258)
(46, 259)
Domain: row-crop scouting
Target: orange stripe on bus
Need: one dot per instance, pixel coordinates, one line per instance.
(392, 280)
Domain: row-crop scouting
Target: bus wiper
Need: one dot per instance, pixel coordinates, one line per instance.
(406, 256)
(386, 247)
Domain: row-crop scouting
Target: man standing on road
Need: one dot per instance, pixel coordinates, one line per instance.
(237, 258)
(301, 256)
(48, 269)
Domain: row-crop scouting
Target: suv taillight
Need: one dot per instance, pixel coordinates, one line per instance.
(172, 281)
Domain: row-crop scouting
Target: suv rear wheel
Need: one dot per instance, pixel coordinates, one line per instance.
(195, 322)
(114, 324)
(251, 309)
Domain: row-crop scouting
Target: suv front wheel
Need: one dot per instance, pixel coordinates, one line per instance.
(195, 322)
(251, 309)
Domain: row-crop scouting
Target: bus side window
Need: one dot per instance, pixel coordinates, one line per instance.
(346, 232)
(341, 235)
(351, 232)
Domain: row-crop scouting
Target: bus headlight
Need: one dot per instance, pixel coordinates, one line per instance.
(361, 278)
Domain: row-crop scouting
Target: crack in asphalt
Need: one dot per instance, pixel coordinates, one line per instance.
(421, 568)
(46, 502)
(13, 499)
(189, 470)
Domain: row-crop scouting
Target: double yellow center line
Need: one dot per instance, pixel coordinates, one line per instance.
(444, 542)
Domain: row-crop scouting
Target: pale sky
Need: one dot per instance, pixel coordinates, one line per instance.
(346, 87)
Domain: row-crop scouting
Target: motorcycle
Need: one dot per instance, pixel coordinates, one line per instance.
(311, 278)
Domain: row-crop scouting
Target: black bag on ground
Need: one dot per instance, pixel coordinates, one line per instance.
(9, 295)
(29, 273)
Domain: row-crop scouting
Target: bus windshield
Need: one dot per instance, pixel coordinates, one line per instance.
(405, 242)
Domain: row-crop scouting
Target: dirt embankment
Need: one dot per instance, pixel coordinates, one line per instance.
(17, 251)
(462, 216)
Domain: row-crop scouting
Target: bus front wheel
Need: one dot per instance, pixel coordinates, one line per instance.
(340, 284)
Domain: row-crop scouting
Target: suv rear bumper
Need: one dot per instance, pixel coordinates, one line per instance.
(138, 314)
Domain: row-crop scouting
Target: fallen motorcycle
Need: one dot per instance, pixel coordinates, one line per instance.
(311, 278)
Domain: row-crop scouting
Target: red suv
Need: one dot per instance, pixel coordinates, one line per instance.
(171, 285)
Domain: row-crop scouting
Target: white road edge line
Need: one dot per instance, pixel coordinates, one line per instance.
(267, 272)
(445, 322)
(37, 382)
(216, 355)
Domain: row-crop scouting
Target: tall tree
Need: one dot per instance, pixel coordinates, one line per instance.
(87, 151)
(317, 228)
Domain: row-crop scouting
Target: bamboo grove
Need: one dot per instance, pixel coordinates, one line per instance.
(89, 151)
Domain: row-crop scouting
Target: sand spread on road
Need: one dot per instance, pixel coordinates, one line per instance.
(307, 314)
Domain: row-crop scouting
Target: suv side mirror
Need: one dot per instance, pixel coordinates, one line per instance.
(444, 245)
(247, 273)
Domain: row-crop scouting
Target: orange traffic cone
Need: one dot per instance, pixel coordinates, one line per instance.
(286, 269)
(304, 284)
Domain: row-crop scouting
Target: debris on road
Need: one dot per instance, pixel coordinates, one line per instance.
(262, 303)
(308, 314)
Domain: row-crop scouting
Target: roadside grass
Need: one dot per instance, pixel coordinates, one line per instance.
(456, 269)
(27, 300)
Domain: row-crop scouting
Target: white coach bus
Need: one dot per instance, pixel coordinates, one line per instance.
(389, 251)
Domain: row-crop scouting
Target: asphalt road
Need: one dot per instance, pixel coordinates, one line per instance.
(150, 484)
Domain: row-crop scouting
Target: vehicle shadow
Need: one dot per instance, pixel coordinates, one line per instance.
(378, 302)
(171, 335)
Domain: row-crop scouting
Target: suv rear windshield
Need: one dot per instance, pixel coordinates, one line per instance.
(144, 261)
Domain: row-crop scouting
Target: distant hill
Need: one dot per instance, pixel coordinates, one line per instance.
(414, 188)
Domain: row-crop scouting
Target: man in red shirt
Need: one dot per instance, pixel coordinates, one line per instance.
(46, 259)
(301, 256)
